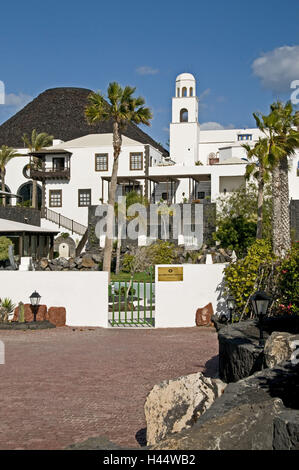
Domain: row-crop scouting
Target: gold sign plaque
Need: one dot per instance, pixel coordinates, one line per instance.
(170, 274)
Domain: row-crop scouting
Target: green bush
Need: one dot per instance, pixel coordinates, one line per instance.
(288, 282)
(127, 263)
(4, 244)
(241, 277)
(237, 218)
(162, 252)
(236, 233)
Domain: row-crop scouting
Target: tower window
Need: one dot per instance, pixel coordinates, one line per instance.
(184, 91)
(183, 115)
(178, 92)
(191, 91)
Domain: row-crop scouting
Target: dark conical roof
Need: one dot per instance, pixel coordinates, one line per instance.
(60, 112)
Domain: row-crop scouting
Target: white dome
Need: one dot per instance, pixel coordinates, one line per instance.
(185, 76)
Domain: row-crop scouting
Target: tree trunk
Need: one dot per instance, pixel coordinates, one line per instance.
(117, 267)
(34, 194)
(3, 187)
(260, 202)
(284, 205)
(117, 140)
(276, 214)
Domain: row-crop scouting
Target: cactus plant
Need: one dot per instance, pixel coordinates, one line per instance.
(21, 312)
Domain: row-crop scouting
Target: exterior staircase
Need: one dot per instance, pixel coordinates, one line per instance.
(63, 221)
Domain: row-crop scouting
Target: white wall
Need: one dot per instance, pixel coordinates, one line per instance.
(83, 294)
(177, 302)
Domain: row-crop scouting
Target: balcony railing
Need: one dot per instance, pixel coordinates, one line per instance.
(50, 173)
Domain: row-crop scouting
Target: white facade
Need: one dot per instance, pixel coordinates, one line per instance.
(202, 164)
(57, 290)
(201, 285)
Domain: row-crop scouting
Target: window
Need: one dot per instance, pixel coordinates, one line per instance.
(201, 195)
(136, 161)
(84, 197)
(178, 92)
(184, 91)
(191, 91)
(101, 162)
(245, 137)
(164, 196)
(183, 115)
(55, 198)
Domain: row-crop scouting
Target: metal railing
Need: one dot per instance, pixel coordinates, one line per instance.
(132, 303)
(63, 221)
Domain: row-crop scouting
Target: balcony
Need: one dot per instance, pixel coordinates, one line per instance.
(50, 173)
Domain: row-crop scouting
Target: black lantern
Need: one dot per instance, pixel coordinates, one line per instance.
(35, 301)
(260, 302)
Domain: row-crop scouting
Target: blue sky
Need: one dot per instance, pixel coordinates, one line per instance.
(243, 54)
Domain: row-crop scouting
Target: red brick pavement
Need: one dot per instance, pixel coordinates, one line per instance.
(63, 386)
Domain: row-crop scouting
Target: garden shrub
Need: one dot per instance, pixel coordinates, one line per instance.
(162, 252)
(127, 263)
(288, 282)
(236, 233)
(241, 276)
(4, 244)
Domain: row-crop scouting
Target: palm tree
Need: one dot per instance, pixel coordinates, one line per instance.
(283, 140)
(260, 170)
(34, 143)
(122, 109)
(6, 154)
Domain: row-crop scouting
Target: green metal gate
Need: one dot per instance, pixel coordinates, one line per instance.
(132, 303)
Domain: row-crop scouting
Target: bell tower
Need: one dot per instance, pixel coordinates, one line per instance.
(184, 128)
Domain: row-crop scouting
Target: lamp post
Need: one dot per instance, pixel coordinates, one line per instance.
(35, 300)
(260, 303)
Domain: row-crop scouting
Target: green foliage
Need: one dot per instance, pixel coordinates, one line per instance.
(241, 276)
(25, 203)
(21, 312)
(123, 291)
(162, 252)
(4, 244)
(237, 215)
(8, 305)
(65, 235)
(288, 282)
(236, 233)
(127, 263)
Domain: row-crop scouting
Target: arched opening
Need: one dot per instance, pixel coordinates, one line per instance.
(184, 115)
(191, 91)
(178, 92)
(184, 91)
(7, 198)
(26, 192)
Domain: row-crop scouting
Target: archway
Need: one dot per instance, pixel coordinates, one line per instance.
(184, 115)
(26, 192)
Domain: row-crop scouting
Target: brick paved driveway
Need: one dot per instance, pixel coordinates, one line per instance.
(62, 386)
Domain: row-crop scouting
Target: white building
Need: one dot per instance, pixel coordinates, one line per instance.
(202, 165)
